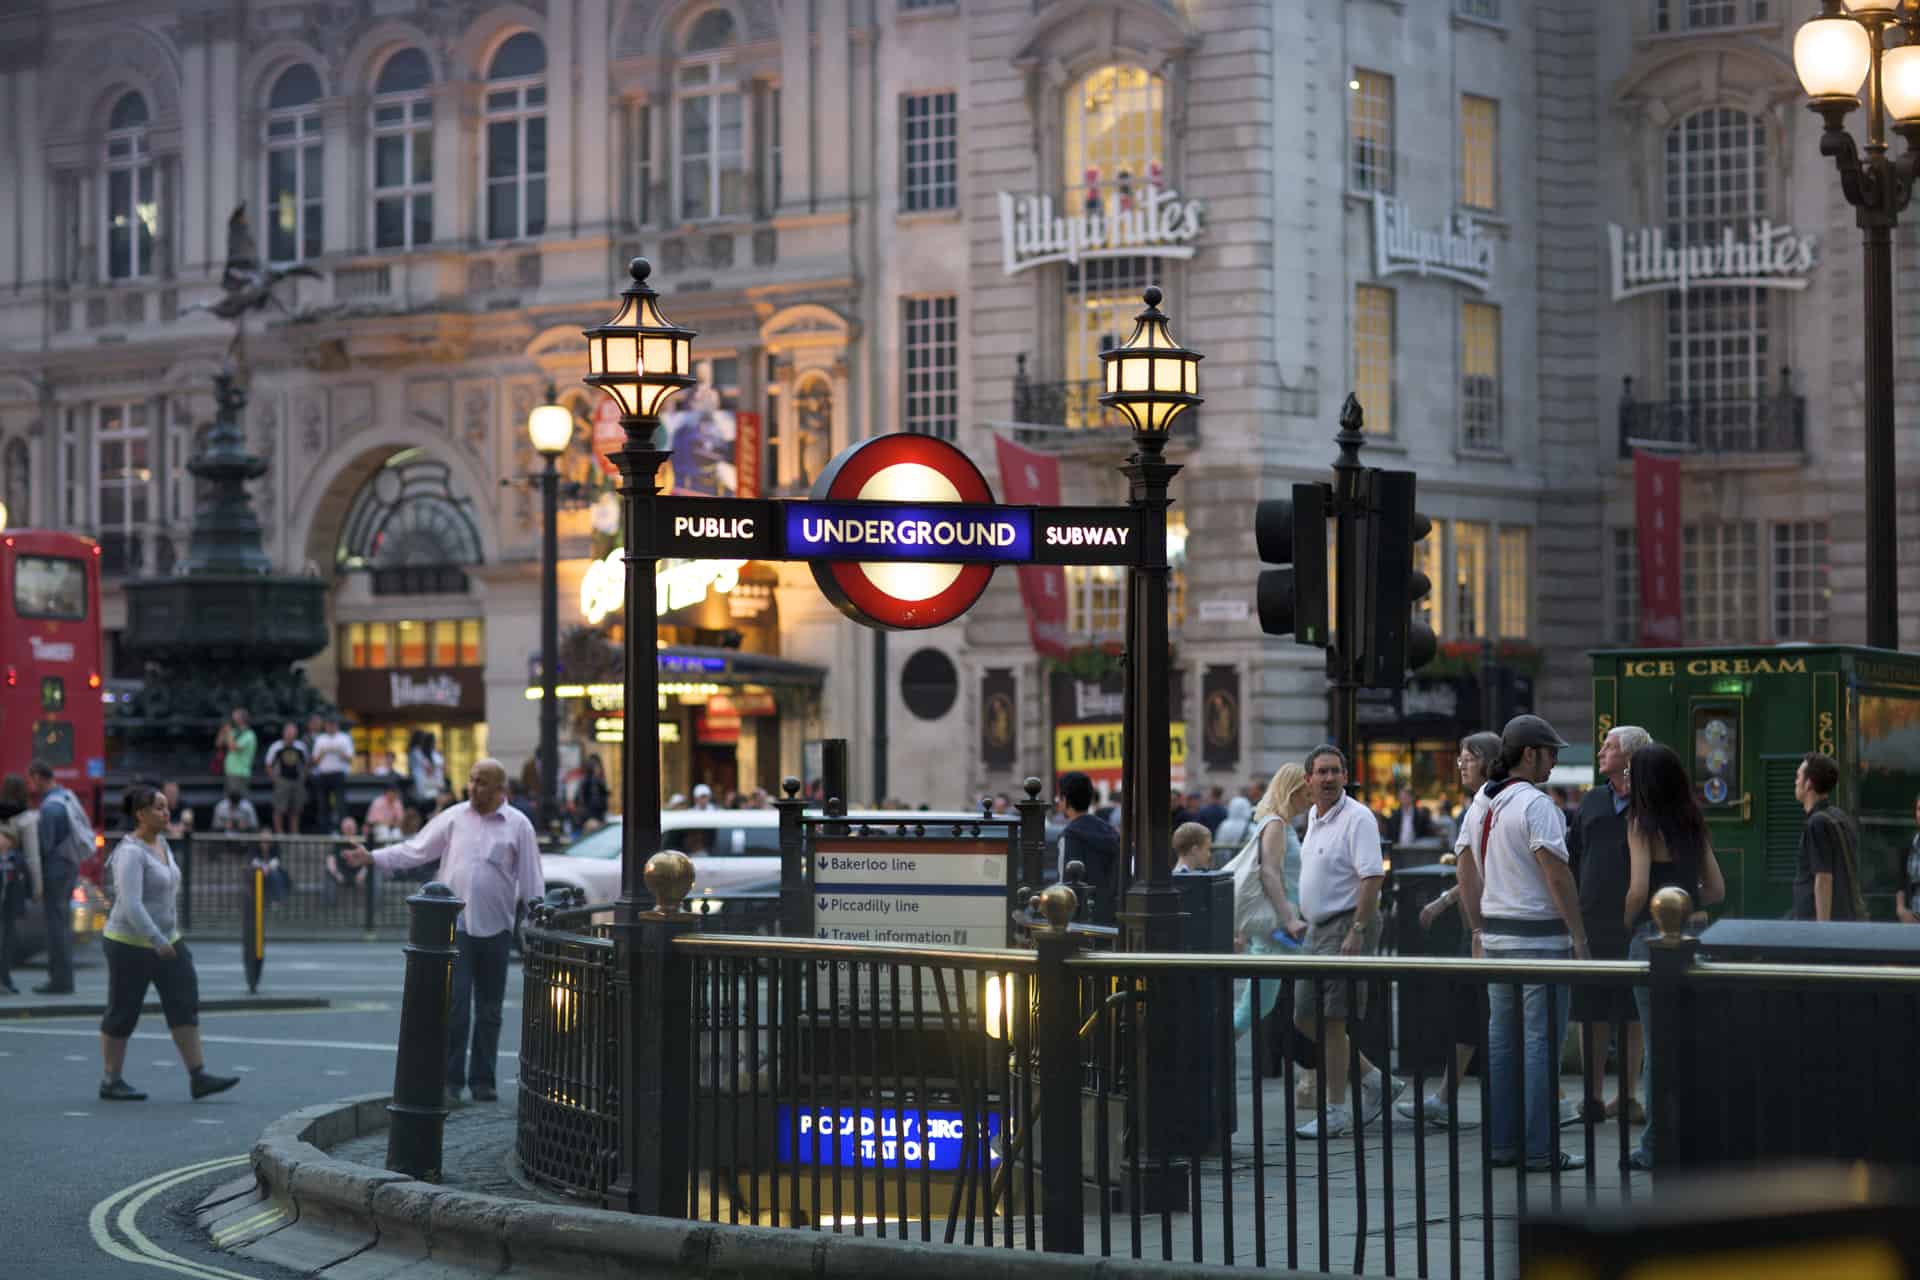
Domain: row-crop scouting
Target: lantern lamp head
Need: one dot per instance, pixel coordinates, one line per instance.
(1149, 378)
(550, 426)
(639, 357)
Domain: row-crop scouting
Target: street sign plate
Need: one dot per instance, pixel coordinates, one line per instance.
(911, 892)
(1085, 535)
(933, 533)
(882, 1138)
(716, 528)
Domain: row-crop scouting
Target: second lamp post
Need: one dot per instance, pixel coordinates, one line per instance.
(550, 426)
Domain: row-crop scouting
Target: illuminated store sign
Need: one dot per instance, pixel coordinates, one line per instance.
(1455, 250)
(1768, 257)
(1155, 223)
(603, 588)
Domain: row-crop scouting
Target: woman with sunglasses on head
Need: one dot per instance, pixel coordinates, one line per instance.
(143, 948)
(1668, 845)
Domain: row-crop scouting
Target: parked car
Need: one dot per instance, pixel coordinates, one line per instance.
(89, 922)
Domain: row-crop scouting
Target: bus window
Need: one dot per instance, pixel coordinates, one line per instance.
(50, 587)
(53, 695)
(53, 742)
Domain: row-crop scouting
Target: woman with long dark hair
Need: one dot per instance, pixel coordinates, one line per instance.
(1668, 845)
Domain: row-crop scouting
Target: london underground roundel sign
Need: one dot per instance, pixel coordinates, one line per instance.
(902, 595)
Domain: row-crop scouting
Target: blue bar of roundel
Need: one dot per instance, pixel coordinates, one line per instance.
(932, 533)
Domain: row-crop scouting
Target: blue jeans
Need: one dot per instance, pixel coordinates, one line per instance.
(1643, 1001)
(1542, 1067)
(479, 991)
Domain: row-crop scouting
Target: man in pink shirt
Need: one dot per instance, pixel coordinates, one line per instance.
(489, 857)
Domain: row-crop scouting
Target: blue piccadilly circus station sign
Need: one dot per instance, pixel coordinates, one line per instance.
(884, 1138)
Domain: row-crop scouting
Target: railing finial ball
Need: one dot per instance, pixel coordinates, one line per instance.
(1671, 907)
(669, 878)
(1032, 788)
(1447, 859)
(1058, 904)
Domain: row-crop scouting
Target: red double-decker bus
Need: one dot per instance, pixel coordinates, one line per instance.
(51, 706)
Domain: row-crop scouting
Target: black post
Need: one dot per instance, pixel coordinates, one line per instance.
(550, 646)
(880, 692)
(1489, 687)
(1670, 1039)
(1883, 563)
(1057, 992)
(1344, 656)
(654, 1167)
(253, 925)
(1033, 834)
(419, 1106)
(833, 776)
(796, 904)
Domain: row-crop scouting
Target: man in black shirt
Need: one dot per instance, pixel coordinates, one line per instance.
(1092, 843)
(1597, 839)
(1827, 886)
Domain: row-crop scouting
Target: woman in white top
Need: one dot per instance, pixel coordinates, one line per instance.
(143, 948)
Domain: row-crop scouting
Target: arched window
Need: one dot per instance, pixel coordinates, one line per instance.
(711, 125)
(1717, 349)
(516, 116)
(412, 527)
(1113, 152)
(18, 480)
(131, 205)
(293, 177)
(403, 152)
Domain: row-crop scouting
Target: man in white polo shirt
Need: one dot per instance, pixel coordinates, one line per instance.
(1528, 908)
(1340, 876)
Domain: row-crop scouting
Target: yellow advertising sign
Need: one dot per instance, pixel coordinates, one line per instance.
(1094, 749)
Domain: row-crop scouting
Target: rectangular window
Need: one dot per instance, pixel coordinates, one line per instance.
(930, 351)
(516, 138)
(1426, 559)
(402, 171)
(713, 177)
(1469, 597)
(1373, 322)
(446, 644)
(180, 492)
(1096, 600)
(1479, 375)
(123, 480)
(379, 645)
(412, 644)
(1704, 15)
(1479, 152)
(1720, 582)
(132, 212)
(1370, 131)
(930, 141)
(50, 587)
(1102, 298)
(774, 154)
(643, 166)
(1801, 594)
(472, 642)
(1626, 587)
(1516, 599)
(294, 185)
(353, 646)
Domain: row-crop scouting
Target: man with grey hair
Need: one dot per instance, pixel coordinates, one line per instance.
(1597, 840)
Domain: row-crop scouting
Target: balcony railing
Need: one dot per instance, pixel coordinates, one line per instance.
(1055, 413)
(1762, 424)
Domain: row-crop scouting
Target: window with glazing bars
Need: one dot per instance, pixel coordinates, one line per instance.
(1469, 578)
(1801, 595)
(295, 183)
(402, 119)
(1479, 375)
(1720, 582)
(1373, 322)
(1479, 152)
(929, 137)
(930, 348)
(1516, 596)
(1370, 131)
(516, 133)
(1488, 9)
(1096, 600)
(1625, 628)
(1702, 15)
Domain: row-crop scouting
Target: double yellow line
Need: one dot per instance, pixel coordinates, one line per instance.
(122, 1210)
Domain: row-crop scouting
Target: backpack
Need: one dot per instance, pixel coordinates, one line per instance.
(64, 830)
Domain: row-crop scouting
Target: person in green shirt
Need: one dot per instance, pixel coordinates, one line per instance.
(237, 741)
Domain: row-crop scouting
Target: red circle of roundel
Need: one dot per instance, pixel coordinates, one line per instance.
(848, 584)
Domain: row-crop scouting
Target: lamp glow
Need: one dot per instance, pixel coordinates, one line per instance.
(1900, 82)
(1873, 6)
(550, 427)
(639, 357)
(1831, 56)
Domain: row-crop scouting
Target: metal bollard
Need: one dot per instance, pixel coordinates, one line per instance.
(253, 925)
(419, 1106)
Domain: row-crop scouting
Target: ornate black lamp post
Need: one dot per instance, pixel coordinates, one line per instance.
(640, 359)
(1838, 53)
(550, 426)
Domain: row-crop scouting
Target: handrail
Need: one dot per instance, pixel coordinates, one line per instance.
(1251, 966)
(535, 933)
(879, 953)
(1735, 973)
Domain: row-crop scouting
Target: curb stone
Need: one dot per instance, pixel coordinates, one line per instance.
(363, 1223)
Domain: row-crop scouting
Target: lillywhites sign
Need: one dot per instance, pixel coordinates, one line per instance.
(1454, 250)
(1766, 257)
(1154, 223)
(423, 691)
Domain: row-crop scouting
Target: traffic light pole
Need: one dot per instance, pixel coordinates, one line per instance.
(1350, 585)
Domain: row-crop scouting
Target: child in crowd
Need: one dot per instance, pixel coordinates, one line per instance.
(1192, 848)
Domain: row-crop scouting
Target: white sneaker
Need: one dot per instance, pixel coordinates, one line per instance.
(1430, 1110)
(1375, 1091)
(1339, 1124)
(1570, 1113)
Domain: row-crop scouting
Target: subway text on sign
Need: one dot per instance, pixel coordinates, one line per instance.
(1085, 536)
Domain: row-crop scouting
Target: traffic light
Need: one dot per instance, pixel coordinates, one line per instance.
(1292, 532)
(1397, 642)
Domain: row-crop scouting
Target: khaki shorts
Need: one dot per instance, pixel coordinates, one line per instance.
(288, 794)
(1325, 939)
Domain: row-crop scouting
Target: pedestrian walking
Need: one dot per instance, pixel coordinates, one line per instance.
(1340, 875)
(1466, 1001)
(236, 745)
(1234, 831)
(488, 855)
(1906, 899)
(1528, 908)
(1597, 842)
(1827, 883)
(1668, 844)
(66, 840)
(1092, 843)
(428, 770)
(21, 884)
(1408, 822)
(1269, 860)
(143, 948)
(327, 768)
(593, 795)
(287, 766)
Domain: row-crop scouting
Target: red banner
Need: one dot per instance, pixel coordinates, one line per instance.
(1656, 505)
(1033, 479)
(609, 436)
(746, 455)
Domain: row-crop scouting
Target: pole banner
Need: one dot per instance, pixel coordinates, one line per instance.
(1031, 478)
(1656, 504)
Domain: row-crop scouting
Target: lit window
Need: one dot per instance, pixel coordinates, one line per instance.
(1373, 324)
(1720, 582)
(379, 645)
(930, 348)
(1802, 597)
(930, 138)
(1479, 152)
(1370, 131)
(402, 119)
(1469, 598)
(472, 642)
(1515, 595)
(412, 645)
(1426, 559)
(1096, 601)
(131, 206)
(712, 129)
(353, 645)
(516, 124)
(294, 174)
(1479, 375)
(446, 644)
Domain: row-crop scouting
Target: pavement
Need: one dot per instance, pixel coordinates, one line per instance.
(223, 986)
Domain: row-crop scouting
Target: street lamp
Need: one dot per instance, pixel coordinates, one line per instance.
(1835, 53)
(1151, 381)
(640, 359)
(550, 426)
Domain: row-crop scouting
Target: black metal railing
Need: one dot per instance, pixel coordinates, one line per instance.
(1774, 423)
(1065, 412)
(569, 1119)
(310, 891)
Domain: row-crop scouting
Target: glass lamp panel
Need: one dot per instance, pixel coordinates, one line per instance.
(623, 354)
(596, 355)
(626, 395)
(1900, 81)
(551, 428)
(1134, 372)
(656, 354)
(1192, 377)
(1166, 373)
(1113, 376)
(1832, 56)
(1872, 6)
(683, 357)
